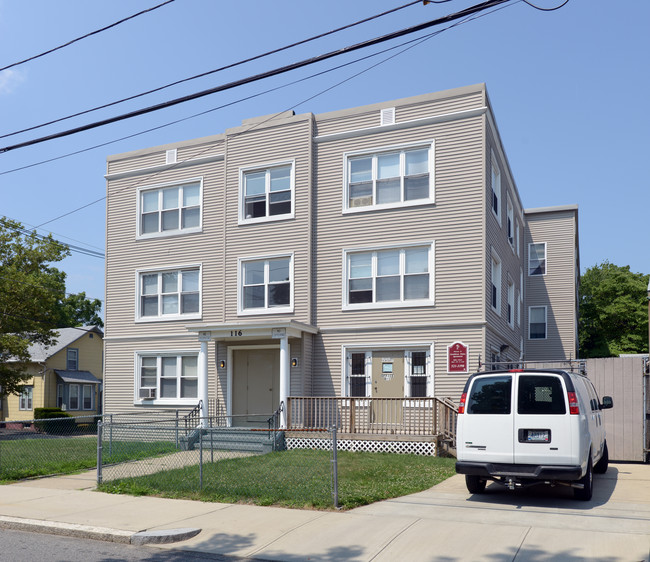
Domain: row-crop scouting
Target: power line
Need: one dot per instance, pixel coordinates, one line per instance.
(546, 9)
(226, 67)
(277, 71)
(417, 41)
(85, 36)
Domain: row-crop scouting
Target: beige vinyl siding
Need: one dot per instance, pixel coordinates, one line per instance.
(556, 289)
(329, 354)
(126, 254)
(427, 105)
(458, 201)
(121, 371)
(266, 145)
(499, 331)
(150, 160)
(200, 151)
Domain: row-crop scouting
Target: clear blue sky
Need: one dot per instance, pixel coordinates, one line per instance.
(569, 88)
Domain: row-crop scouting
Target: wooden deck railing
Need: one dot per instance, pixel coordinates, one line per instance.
(374, 416)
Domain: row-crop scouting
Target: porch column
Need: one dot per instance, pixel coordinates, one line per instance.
(284, 378)
(203, 380)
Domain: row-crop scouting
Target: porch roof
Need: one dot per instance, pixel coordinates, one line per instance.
(85, 377)
(261, 329)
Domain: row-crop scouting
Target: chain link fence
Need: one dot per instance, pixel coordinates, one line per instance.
(212, 463)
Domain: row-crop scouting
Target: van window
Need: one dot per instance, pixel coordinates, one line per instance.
(540, 394)
(490, 395)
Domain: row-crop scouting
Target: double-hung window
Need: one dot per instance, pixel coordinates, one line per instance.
(510, 226)
(169, 294)
(26, 395)
(496, 283)
(266, 193)
(389, 277)
(390, 178)
(266, 285)
(170, 209)
(72, 359)
(537, 323)
(88, 397)
(167, 376)
(496, 188)
(511, 304)
(537, 259)
(74, 397)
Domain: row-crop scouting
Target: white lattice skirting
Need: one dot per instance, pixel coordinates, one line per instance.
(402, 447)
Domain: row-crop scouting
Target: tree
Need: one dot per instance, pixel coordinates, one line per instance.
(78, 310)
(613, 311)
(30, 290)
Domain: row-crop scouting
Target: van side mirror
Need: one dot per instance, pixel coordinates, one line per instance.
(607, 403)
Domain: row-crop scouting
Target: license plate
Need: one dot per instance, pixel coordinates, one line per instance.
(537, 435)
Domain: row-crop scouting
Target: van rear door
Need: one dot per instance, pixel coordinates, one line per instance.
(542, 421)
(486, 427)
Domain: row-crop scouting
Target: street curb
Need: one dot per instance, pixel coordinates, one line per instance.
(97, 533)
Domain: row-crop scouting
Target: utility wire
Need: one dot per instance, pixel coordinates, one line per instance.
(305, 62)
(85, 36)
(417, 41)
(226, 67)
(546, 9)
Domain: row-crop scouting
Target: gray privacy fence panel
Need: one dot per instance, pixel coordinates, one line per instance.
(624, 380)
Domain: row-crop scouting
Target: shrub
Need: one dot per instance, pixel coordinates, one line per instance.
(57, 421)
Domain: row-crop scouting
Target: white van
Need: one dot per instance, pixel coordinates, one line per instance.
(524, 427)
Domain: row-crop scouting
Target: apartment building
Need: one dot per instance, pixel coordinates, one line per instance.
(375, 252)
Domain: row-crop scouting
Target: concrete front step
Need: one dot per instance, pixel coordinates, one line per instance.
(234, 439)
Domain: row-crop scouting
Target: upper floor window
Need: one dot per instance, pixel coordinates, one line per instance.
(266, 193)
(390, 178)
(496, 283)
(170, 209)
(266, 285)
(72, 360)
(510, 226)
(511, 304)
(537, 259)
(169, 294)
(389, 277)
(537, 323)
(496, 188)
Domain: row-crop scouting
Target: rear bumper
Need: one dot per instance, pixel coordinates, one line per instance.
(523, 471)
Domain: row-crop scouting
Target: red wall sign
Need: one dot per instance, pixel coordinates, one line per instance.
(457, 358)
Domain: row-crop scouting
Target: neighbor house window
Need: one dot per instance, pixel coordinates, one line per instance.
(537, 323)
(266, 285)
(496, 283)
(169, 294)
(25, 399)
(390, 178)
(358, 366)
(266, 193)
(170, 209)
(72, 359)
(518, 236)
(510, 227)
(390, 277)
(87, 397)
(59, 396)
(172, 376)
(496, 188)
(537, 259)
(74, 397)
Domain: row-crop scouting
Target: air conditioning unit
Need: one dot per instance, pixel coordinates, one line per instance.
(147, 393)
(361, 201)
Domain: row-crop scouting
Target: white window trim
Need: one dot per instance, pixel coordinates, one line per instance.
(391, 304)
(241, 311)
(259, 168)
(169, 317)
(545, 323)
(511, 302)
(428, 144)
(368, 348)
(518, 237)
(29, 398)
(168, 233)
(494, 165)
(160, 401)
(545, 260)
(494, 257)
(67, 358)
(510, 216)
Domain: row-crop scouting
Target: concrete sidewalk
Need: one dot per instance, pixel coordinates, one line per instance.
(442, 523)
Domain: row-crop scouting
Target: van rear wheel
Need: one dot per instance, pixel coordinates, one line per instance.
(601, 466)
(587, 481)
(475, 484)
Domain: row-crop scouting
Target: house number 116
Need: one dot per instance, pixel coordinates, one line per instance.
(234, 333)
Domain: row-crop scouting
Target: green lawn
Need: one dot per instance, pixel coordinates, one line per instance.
(25, 458)
(296, 478)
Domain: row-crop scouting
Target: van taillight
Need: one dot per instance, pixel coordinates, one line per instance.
(461, 406)
(574, 408)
